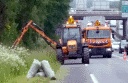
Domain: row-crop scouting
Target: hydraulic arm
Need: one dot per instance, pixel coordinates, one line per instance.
(32, 25)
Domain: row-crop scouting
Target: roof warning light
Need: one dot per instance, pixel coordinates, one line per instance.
(97, 23)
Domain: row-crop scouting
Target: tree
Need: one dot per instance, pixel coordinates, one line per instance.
(57, 11)
(48, 14)
(2, 20)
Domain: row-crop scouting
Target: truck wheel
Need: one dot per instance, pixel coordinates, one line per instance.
(85, 57)
(120, 51)
(90, 55)
(104, 56)
(60, 56)
(127, 52)
(109, 55)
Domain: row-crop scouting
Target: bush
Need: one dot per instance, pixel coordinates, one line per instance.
(12, 62)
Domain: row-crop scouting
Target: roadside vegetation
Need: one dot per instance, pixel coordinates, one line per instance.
(48, 14)
(15, 63)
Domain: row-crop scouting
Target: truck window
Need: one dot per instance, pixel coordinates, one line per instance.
(101, 34)
(71, 33)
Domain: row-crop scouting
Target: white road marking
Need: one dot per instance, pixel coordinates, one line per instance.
(86, 64)
(94, 78)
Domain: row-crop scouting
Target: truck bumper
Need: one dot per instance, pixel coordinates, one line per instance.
(73, 55)
(100, 51)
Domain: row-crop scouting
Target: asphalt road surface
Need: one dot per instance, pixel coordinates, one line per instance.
(100, 70)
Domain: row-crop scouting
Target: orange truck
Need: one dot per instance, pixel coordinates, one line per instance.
(98, 38)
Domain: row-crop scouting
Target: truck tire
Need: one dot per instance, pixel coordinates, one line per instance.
(120, 51)
(60, 56)
(90, 55)
(104, 56)
(126, 48)
(109, 55)
(85, 56)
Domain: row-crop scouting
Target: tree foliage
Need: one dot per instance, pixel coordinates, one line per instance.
(16, 13)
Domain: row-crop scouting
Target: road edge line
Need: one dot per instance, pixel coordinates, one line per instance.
(94, 78)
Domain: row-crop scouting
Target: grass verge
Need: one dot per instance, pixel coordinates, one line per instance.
(17, 74)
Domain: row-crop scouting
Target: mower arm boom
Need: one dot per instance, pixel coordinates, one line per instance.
(32, 25)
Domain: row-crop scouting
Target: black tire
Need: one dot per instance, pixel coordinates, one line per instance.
(90, 55)
(104, 56)
(126, 49)
(127, 52)
(120, 51)
(60, 56)
(85, 57)
(109, 56)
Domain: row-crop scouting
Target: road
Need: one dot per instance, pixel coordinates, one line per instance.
(100, 70)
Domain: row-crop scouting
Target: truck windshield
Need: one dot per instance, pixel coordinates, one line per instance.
(101, 34)
(71, 33)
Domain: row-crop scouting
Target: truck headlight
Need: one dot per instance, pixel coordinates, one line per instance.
(108, 49)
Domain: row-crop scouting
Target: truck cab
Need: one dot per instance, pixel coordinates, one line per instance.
(98, 38)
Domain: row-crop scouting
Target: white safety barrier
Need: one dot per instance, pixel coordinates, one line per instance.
(42, 69)
(33, 69)
(47, 69)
